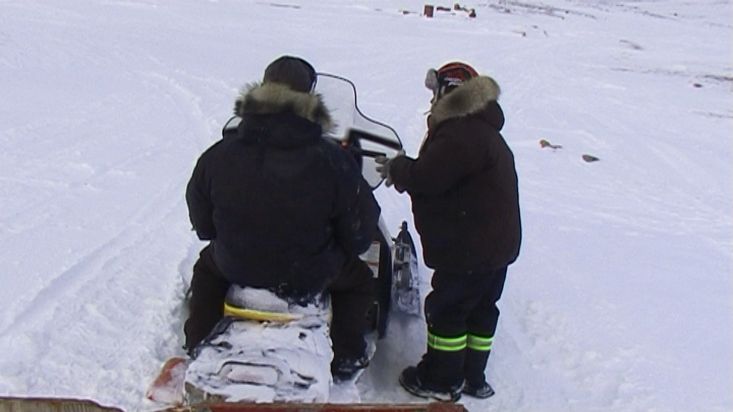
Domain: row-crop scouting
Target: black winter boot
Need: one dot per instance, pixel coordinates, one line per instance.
(410, 380)
(474, 372)
(481, 391)
(344, 369)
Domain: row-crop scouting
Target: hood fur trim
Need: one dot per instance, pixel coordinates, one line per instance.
(468, 98)
(271, 98)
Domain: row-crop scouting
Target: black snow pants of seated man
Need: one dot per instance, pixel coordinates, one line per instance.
(206, 305)
(352, 295)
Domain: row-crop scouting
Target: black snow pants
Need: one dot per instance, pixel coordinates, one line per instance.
(206, 304)
(352, 294)
(461, 316)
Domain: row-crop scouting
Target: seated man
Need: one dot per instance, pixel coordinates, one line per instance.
(283, 208)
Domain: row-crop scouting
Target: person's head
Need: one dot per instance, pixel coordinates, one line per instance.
(448, 77)
(294, 72)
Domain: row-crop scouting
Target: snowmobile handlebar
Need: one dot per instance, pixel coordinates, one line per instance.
(353, 136)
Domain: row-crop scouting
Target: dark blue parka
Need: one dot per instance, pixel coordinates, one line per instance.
(282, 206)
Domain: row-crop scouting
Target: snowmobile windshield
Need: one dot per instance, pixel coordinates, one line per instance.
(365, 136)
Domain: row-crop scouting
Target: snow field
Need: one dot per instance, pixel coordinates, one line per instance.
(621, 298)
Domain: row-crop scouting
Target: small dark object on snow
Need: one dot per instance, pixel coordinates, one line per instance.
(458, 7)
(544, 143)
(588, 158)
(428, 10)
(289, 6)
(698, 85)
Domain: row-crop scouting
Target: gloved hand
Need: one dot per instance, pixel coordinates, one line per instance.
(383, 169)
(384, 165)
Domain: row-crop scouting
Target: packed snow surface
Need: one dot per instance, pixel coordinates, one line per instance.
(621, 299)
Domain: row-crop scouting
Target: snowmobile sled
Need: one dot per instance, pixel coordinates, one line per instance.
(267, 350)
(264, 350)
(33, 404)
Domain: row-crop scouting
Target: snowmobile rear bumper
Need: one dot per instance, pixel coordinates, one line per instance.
(19, 404)
(27, 404)
(327, 407)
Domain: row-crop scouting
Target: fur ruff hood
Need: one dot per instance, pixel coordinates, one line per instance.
(271, 98)
(469, 98)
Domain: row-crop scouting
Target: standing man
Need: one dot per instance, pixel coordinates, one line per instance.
(465, 203)
(283, 209)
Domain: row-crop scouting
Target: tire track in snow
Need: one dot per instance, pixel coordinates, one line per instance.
(91, 263)
(538, 341)
(199, 123)
(542, 346)
(599, 376)
(72, 294)
(70, 304)
(95, 260)
(37, 215)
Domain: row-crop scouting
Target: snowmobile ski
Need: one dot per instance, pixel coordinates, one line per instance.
(405, 280)
(167, 387)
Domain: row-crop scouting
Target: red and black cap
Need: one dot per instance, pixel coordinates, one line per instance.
(448, 77)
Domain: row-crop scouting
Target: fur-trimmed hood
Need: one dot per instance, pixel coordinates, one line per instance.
(271, 98)
(469, 98)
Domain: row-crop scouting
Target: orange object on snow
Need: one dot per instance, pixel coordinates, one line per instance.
(167, 388)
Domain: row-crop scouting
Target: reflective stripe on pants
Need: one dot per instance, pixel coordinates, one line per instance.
(479, 343)
(447, 344)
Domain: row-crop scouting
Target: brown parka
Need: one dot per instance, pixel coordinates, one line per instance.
(463, 185)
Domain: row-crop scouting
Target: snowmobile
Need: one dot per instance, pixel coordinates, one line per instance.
(266, 350)
(268, 354)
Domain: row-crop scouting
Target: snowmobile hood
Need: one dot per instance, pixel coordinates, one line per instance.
(471, 97)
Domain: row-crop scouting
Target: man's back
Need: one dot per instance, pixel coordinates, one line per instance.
(280, 199)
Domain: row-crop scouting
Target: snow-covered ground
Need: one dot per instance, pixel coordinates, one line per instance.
(622, 299)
